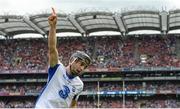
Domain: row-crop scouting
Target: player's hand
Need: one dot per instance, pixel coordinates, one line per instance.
(52, 19)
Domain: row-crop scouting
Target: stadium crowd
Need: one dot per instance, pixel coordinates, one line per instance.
(104, 103)
(118, 103)
(157, 86)
(106, 52)
(17, 104)
(19, 89)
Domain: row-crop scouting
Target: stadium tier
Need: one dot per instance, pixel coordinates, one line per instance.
(131, 72)
(107, 53)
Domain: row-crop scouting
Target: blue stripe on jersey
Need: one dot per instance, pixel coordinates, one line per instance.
(69, 76)
(51, 72)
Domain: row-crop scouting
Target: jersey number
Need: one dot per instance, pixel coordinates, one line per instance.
(64, 92)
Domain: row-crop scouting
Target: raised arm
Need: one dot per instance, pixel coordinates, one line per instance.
(52, 40)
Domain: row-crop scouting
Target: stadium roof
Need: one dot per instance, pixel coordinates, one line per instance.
(89, 22)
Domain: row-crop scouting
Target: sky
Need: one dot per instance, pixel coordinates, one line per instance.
(26, 7)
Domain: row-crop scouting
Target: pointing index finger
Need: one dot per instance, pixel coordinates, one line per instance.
(54, 13)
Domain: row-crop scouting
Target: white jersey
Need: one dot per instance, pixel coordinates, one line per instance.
(60, 89)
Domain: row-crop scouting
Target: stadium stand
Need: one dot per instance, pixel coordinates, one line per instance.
(128, 71)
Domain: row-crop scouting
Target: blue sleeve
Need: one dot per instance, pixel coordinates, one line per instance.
(51, 71)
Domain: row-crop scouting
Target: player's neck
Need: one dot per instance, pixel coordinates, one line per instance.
(69, 73)
(68, 70)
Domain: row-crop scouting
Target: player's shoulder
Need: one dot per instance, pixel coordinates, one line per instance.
(78, 82)
(61, 66)
(60, 63)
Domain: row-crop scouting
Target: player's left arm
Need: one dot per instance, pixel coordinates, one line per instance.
(74, 101)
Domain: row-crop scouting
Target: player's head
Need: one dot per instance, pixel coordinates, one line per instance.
(79, 61)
